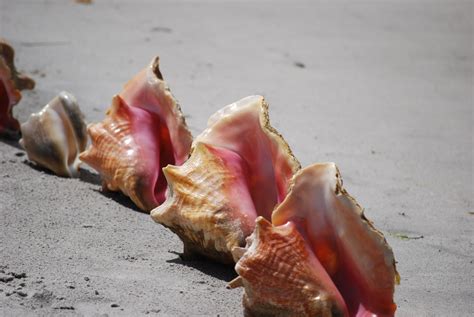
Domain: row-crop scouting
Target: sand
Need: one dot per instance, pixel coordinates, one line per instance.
(384, 89)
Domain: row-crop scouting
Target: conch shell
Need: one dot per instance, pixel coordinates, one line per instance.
(11, 82)
(54, 137)
(240, 167)
(346, 248)
(144, 130)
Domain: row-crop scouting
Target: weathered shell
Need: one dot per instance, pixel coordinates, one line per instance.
(54, 137)
(240, 167)
(282, 277)
(11, 82)
(143, 131)
(352, 252)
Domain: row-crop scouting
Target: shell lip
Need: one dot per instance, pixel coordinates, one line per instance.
(247, 103)
(249, 116)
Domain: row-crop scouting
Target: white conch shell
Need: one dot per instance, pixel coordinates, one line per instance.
(239, 168)
(54, 137)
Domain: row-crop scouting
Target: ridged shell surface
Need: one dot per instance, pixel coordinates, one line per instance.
(54, 137)
(282, 277)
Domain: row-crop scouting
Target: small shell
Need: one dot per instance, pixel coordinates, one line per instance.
(143, 131)
(11, 82)
(239, 168)
(282, 277)
(54, 137)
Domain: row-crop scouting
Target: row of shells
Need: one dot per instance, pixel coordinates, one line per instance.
(235, 194)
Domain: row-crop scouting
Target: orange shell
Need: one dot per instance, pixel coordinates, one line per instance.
(143, 131)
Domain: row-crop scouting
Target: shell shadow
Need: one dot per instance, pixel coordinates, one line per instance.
(84, 175)
(38, 168)
(12, 141)
(119, 198)
(89, 177)
(217, 270)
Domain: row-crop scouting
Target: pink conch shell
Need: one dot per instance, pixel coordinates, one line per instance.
(282, 277)
(11, 82)
(352, 252)
(144, 130)
(54, 137)
(240, 167)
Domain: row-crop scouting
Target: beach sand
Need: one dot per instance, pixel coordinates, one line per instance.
(384, 89)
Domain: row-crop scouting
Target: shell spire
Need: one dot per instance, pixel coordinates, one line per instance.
(244, 128)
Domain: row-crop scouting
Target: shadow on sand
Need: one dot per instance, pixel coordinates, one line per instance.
(84, 175)
(12, 141)
(38, 168)
(216, 270)
(119, 198)
(89, 177)
(208, 267)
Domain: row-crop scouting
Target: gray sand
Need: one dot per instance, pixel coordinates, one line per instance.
(385, 90)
